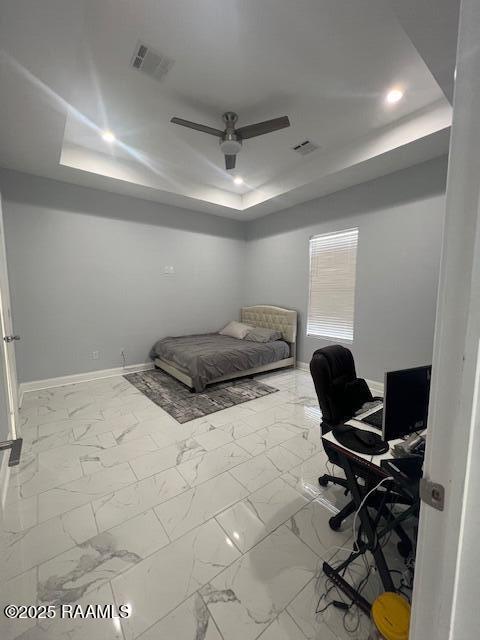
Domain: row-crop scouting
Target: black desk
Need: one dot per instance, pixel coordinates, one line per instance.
(358, 466)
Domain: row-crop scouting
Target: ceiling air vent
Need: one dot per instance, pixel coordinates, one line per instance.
(305, 147)
(151, 62)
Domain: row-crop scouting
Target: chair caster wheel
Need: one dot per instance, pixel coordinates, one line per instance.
(404, 548)
(335, 523)
(323, 481)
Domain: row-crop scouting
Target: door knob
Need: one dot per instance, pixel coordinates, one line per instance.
(11, 338)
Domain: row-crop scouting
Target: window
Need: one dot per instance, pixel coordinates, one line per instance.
(333, 259)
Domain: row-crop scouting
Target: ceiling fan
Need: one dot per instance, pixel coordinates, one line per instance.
(231, 138)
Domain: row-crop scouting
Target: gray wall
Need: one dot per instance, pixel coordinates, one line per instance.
(400, 220)
(86, 270)
(86, 274)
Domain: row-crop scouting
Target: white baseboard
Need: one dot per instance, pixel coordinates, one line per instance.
(303, 365)
(375, 387)
(50, 383)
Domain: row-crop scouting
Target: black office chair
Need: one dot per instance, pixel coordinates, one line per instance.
(340, 394)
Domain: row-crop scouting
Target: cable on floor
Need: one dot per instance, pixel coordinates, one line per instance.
(341, 603)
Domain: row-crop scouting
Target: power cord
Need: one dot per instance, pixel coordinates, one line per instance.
(361, 585)
(354, 527)
(341, 604)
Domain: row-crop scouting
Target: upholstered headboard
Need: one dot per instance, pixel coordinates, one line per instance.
(263, 315)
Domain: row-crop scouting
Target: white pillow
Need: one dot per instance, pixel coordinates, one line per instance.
(236, 330)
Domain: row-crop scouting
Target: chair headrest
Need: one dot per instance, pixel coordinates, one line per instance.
(332, 368)
(337, 362)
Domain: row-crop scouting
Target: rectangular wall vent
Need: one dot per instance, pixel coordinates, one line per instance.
(305, 147)
(151, 62)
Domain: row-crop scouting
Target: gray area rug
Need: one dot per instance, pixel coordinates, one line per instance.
(175, 398)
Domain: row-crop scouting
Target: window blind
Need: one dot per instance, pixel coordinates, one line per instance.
(333, 261)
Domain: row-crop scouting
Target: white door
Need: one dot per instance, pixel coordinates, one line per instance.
(447, 577)
(8, 339)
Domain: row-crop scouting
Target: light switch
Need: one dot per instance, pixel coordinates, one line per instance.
(168, 269)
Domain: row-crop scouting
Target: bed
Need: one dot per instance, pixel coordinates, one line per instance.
(199, 360)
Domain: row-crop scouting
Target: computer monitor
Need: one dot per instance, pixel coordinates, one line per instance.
(405, 404)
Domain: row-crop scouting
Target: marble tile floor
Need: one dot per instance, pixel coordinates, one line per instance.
(211, 530)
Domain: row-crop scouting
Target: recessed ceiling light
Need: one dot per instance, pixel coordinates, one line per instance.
(108, 136)
(394, 95)
(238, 180)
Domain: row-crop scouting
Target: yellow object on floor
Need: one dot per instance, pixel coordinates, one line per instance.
(391, 616)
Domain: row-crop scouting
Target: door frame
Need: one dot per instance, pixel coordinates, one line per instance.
(6, 328)
(446, 578)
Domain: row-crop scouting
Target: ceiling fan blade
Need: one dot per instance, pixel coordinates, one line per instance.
(230, 162)
(198, 127)
(259, 129)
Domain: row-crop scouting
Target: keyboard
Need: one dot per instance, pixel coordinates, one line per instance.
(375, 419)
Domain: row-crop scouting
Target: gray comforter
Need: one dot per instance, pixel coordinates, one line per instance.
(208, 356)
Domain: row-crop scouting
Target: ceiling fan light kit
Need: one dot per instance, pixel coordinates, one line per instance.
(231, 138)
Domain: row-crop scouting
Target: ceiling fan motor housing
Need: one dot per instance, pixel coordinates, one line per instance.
(230, 144)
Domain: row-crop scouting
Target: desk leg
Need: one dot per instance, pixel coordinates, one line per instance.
(334, 574)
(347, 589)
(364, 516)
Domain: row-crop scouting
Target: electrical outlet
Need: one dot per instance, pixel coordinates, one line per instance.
(95, 355)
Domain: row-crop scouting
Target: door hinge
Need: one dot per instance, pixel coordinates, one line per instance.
(432, 493)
